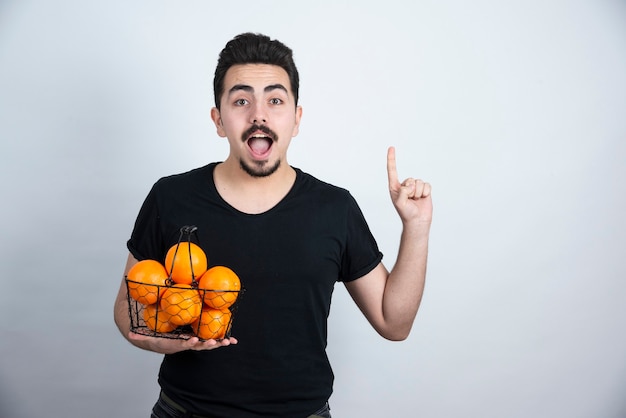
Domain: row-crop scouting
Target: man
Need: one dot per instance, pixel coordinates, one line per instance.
(289, 237)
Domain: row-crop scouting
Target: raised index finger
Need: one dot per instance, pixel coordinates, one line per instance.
(392, 172)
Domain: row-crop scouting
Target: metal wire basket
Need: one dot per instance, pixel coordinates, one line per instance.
(181, 311)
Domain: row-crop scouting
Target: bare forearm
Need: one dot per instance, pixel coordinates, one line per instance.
(405, 284)
(122, 320)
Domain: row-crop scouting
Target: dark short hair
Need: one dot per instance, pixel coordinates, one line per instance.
(254, 48)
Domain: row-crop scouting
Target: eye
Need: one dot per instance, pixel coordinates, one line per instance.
(276, 101)
(241, 102)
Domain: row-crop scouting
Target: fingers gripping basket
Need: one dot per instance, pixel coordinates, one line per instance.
(182, 297)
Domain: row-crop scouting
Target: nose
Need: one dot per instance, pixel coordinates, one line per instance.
(259, 114)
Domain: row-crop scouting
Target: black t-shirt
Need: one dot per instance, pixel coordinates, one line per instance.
(288, 260)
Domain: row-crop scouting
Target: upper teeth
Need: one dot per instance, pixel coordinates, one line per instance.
(258, 136)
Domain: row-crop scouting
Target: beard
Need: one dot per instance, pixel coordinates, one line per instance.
(259, 168)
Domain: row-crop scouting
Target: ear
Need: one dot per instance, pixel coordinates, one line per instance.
(217, 120)
(296, 127)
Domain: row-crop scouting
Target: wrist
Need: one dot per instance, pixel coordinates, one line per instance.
(417, 227)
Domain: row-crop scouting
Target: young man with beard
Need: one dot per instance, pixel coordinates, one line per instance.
(289, 237)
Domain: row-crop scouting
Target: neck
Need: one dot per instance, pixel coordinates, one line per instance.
(251, 194)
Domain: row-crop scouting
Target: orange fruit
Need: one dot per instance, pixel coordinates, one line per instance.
(220, 287)
(157, 319)
(185, 261)
(183, 303)
(146, 281)
(212, 324)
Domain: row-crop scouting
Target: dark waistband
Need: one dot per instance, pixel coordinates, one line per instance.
(176, 406)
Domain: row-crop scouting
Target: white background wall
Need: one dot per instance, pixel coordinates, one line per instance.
(515, 111)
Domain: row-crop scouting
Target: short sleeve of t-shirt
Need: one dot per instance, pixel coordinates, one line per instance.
(145, 241)
(361, 251)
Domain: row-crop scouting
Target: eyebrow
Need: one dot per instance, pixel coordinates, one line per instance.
(249, 89)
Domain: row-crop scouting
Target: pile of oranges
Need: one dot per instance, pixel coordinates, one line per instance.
(184, 292)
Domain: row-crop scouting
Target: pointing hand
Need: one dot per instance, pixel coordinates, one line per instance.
(411, 198)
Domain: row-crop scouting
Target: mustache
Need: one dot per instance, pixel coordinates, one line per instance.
(255, 128)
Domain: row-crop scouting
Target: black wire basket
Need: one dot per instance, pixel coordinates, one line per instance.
(181, 311)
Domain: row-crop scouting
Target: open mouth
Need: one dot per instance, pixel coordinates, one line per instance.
(259, 139)
(260, 144)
